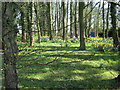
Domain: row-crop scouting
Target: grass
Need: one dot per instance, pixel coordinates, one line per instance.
(89, 69)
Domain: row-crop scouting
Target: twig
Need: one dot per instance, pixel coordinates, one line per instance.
(56, 58)
(42, 63)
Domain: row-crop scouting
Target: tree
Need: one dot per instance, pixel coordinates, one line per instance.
(31, 28)
(98, 20)
(10, 46)
(71, 19)
(107, 22)
(50, 20)
(38, 23)
(75, 18)
(90, 19)
(81, 26)
(23, 27)
(86, 20)
(63, 21)
(103, 20)
(113, 23)
(114, 31)
(22, 20)
(58, 17)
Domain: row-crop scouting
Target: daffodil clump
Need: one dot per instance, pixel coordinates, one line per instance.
(104, 47)
(45, 39)
(98, 40)
(73, 40)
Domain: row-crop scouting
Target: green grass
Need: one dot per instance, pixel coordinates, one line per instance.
(89, 69)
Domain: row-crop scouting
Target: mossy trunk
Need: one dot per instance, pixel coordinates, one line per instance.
(9, 48)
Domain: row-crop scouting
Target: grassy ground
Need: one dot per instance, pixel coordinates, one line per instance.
(51, 65)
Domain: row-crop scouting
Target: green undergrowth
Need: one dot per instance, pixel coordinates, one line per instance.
(67, 67)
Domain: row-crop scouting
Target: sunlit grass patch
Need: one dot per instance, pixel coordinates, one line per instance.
(108, 74)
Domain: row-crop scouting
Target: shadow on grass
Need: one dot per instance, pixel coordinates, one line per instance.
(63, 76)
(83, 84)
(85, 57)
(51, 48)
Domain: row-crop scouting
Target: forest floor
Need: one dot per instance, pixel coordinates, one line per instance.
(53, 65)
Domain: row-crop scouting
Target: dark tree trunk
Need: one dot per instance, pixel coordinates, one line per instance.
(107, 22)
(113, 22)
(71, 19)
(81, 26)
(64, 30)
(38, 23)
(75, 17)
(103, 21)
(31, 33)
(10, 48)
(50, 21)
(23, 27)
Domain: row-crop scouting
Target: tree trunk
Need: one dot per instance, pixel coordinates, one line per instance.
(103, 21)
(90, 19)
(64, 20)
(107, 22)
(71, 20)
(75, 17)
(58, 17)
(98, 20)
(50, 21)
(113, 22)
(28, 22)
(38, 23)
(23, 27)
(66, 23)
(10, 48)
(31, 25)
(86, 21)
(81, 26)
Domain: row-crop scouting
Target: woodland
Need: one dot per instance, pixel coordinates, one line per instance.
(60, 45)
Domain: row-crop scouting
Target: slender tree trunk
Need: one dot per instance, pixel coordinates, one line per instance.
(64, 20)
(39, 33)
(31, 25)
(38, 22)
(50, 21)
(71, 19)
(103, 21)
(98, 20)
(66, 23)
(76, 31)
(86, 22)
(107, 22)
(23, 27)
(81, 26)
(90, 19)
(58, 18)
(28, 22)
(10, 48)
(55, 31)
